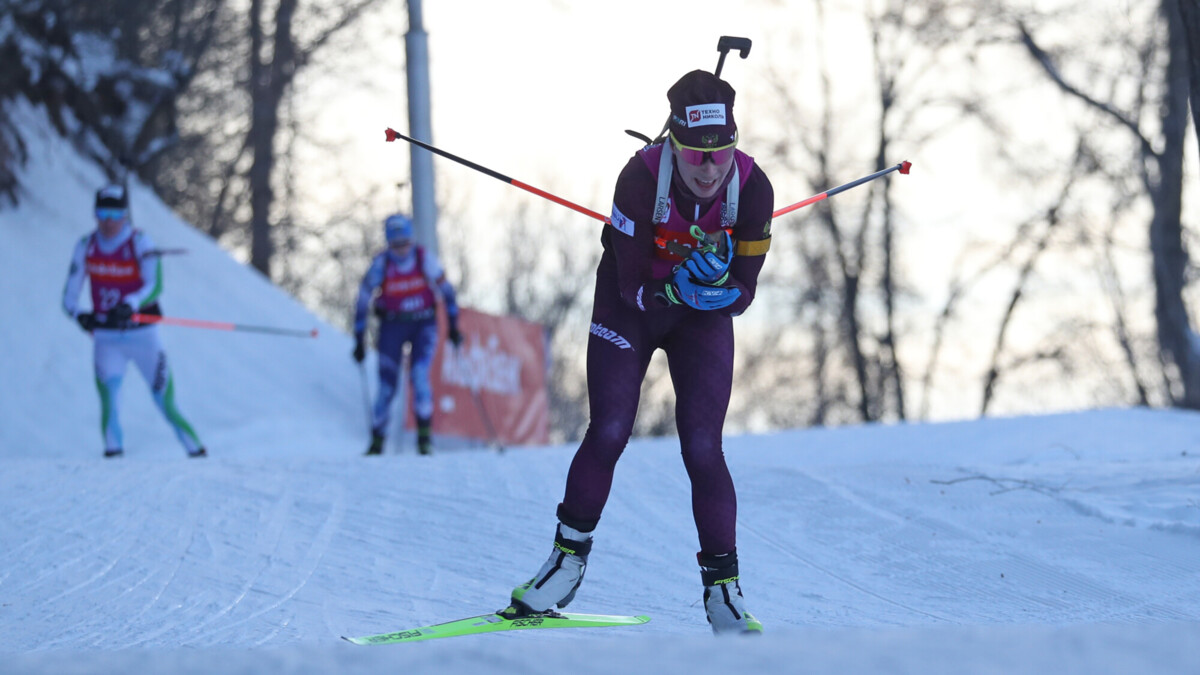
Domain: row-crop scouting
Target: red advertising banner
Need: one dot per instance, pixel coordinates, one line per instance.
(493, 387)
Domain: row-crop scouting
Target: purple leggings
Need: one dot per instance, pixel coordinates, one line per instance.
(699, 349)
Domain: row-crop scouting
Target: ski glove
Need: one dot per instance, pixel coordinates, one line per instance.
(685, 290)
(118, 317)
(710, 265)
(454, 335)
(360, 349)
(87, 321)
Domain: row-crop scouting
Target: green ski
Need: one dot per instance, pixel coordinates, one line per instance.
(492, 623)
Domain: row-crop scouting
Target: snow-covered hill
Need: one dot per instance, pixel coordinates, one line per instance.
(1057, 544)
(245, 393)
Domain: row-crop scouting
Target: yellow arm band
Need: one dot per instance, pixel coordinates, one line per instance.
(759, 247)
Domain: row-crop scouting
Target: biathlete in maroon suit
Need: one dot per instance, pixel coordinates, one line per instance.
(399, 287)
(125, 275)
(690, 228)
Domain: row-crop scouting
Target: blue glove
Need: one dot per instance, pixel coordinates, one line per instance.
(685, 290)
(711, 266)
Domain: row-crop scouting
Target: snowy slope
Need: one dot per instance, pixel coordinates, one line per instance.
(1039, 543)
(1056, 544)
(239, 390)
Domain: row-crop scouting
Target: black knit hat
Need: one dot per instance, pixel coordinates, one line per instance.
(112, 197)
(702, 110)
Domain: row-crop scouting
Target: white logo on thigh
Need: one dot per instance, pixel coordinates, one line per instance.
(611, 335)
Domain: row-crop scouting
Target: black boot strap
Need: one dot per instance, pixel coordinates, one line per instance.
(572, 547)
(718, 569)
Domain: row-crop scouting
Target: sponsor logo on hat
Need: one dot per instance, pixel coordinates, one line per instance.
(705, 115)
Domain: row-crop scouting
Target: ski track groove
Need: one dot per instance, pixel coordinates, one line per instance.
(66, 526)
(91, 579)
(275, 630)
(110, 540)
(180, 548)
(1054, 587)
(839, 492)
(102, 636)
(1063, 590)
(788, 551)
(312, 559)
(18, 553)
(834, 575)
(121, 541)
(195, 602)
(277, 525)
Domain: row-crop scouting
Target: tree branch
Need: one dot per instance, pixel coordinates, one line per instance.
(1052, 71)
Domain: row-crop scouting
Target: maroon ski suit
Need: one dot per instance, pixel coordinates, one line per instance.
(629, 322)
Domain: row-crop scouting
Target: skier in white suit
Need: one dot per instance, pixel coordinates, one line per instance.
(125, 275)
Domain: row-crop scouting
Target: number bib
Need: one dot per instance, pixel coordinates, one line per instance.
(112, 275)
(405, 292)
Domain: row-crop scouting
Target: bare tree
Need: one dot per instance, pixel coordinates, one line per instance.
(1052, 219)
(274, 59)
(542, 282)
(118, 68)
(1158, 136)
(849, 287)
(1189, 11)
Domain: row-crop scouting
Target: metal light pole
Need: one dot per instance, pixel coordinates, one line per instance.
(416, 43)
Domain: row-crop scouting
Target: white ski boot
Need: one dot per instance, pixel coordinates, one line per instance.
(558, 579)
(723, 601)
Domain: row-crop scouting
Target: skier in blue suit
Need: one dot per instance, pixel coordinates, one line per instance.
(402, 287)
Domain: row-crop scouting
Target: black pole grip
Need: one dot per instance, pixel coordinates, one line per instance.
(726, 43)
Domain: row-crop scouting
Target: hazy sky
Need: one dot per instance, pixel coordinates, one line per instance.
(542, 91)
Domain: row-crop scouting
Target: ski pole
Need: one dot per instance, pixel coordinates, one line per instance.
(220, 325)
(366, 392)
(902, 167)
(159, 252)
(487, 420)
(392, 134)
